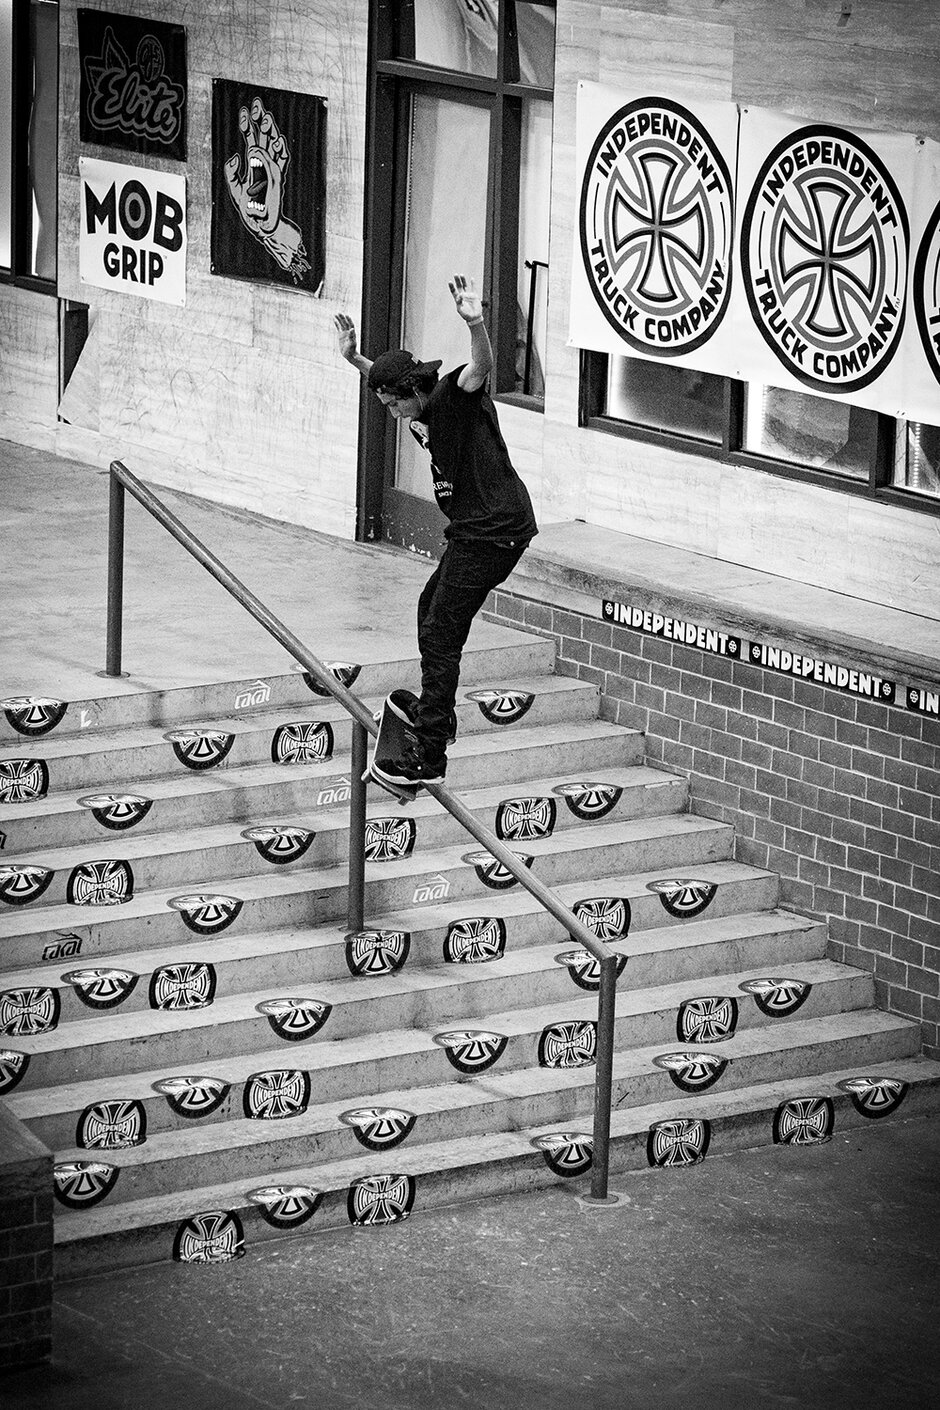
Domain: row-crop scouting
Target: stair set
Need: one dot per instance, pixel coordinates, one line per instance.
(215, 1060)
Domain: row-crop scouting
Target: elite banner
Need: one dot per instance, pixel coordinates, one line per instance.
(755, 245)
(133, 83)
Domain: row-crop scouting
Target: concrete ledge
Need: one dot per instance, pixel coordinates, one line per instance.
(25, 1245)
(577, 565)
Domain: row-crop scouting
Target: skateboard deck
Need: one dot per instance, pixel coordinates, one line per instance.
(389, 743)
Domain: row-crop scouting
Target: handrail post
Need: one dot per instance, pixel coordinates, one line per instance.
(603, 1079)
(355, 899)
(115, 577)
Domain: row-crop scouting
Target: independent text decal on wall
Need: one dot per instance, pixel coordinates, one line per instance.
(672, 628)
(924, 700)
(133, 83)
(268, 185)
(816, 268)
(132, 235)
(808, 668)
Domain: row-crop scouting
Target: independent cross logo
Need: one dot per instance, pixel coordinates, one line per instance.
(927, 291)
(657, 227)
(824, 245)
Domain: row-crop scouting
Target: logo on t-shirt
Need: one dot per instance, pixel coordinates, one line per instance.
(443, 489)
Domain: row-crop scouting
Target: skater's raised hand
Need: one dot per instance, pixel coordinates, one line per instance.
(469, 304)
(346, 336)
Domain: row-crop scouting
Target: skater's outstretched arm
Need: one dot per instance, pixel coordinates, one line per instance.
(470, 308)
(348, 343)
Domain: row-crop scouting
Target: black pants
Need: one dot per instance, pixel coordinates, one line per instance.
(452, 596)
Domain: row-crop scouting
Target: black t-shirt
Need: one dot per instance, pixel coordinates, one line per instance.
(475, 484)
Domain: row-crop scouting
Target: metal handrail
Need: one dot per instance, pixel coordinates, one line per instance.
(363, 723)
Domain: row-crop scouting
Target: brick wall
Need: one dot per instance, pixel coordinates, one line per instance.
(840, 795)
(25, 1245)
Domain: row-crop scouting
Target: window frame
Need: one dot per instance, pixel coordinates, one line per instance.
(877, 488)
(20, 225)
(504, 97)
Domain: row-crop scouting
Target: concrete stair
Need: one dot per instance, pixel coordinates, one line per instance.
(185, 1021)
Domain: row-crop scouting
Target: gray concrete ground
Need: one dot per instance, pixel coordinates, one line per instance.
(772, 1278)
(779, 1277)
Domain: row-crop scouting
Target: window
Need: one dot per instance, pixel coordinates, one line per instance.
(29, 47)
(485, 67)
(792, 433)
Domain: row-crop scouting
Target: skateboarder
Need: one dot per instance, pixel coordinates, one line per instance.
(488, 507)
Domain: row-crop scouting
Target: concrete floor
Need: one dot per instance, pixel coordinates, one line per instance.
(772, 1278)
(779, 1278)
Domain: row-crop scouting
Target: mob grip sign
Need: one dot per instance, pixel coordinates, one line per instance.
(133, 230)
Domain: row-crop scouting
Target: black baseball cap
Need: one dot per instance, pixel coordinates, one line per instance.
(398, 368)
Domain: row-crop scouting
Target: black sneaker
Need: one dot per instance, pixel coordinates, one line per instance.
(404, 704)
(411, 768)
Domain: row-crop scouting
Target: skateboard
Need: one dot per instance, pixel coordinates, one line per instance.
(389, 743)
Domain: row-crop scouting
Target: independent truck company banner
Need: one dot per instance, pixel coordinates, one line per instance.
(758, 246)
(132, 235)
(652, 274)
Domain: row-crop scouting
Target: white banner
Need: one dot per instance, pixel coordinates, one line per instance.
(651, 275)
(825, 247)
(132, 236)
(757, 246)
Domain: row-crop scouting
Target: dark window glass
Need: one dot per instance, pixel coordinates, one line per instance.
(660, 398)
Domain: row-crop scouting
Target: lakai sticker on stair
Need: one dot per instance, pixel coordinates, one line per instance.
(875, 1097)
(389, 839)
(521, 819)
(117, 811)
(708, 1020)
(65, 947)
(295, 1019)
(253, 695)
(303, 742)
(491, 871)
(380, 1199)
(683, 1141)
(205, 913)
(22, 882)
(682, 898)
(81, 1184)
(13, 1067)
(189, 985)
(607, 917)
(776, 998)
(566, 1153)
(33, 714)
(378, 1128)
(590, 801)
(100, 884)
(371, 952)
(280, 843)
(215, 1236)
(471, 1049)
(475, 940)
(29, 1011)
(692, 1071)
(200, 748)
(502, 707)
(276, 1096)
(22, 780)
(193, 1097)
(102, 988)
(344, 672)
(572, 1044)
(286, 1206)
(585, 969)
(112, 1126)
(804, 1121)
